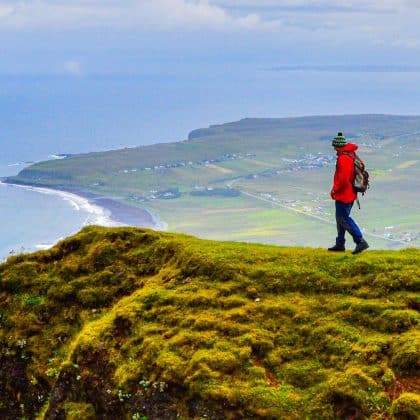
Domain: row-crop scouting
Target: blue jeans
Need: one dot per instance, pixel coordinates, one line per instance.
(346, 223)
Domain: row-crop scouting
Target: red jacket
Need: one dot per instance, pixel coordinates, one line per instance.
(342, 189)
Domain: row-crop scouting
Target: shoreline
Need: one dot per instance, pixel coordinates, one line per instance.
(105, 211)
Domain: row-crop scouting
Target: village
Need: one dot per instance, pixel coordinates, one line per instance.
(183, 164)
(316, 205)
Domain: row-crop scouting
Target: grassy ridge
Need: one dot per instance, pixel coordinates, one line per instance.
(131, 323)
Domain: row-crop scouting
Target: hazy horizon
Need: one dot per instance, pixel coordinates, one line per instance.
(82, 76)
(60, 114)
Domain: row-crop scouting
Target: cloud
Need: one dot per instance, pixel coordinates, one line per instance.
(5, 10)
(158, 14)
(390, 22)
(73, 68)
(349, 68)
(319, 4)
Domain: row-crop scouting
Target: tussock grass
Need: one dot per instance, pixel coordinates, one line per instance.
(129, 322)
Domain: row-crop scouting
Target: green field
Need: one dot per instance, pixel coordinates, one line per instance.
(283, 169)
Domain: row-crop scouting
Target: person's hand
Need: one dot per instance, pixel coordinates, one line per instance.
(332, 194)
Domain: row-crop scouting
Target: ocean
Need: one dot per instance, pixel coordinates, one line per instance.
(36, 218)
(42, 116)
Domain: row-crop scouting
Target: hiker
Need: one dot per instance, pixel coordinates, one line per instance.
(344, 195)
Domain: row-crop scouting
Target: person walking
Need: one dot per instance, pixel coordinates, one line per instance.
(344, 195)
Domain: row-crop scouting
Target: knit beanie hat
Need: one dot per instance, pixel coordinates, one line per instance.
(339, 140)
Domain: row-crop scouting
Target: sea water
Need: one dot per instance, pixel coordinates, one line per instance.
(36, 218)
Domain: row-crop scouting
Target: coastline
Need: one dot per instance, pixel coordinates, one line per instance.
(102, 210)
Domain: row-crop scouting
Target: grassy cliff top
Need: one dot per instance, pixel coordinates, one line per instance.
(132, 323)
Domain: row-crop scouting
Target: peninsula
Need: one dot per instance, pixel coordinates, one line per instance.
(254, 180)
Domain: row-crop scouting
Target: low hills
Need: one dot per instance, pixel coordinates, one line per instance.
(135, 324)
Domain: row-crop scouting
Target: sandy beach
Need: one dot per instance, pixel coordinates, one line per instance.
(102, 210)
(129, 215)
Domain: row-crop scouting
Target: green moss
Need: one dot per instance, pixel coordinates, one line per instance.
(255, 331)
(78, 411)
(398, 320)
(359, 389)
(32, 301)
(406, 352)
(93, 297)
(406, 406)
(303, 374)
(388, 377)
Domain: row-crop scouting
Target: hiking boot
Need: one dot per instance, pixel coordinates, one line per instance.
(361, 246)
(337, 248)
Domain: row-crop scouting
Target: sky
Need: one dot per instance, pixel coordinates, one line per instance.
(124, 37)
(82, 75)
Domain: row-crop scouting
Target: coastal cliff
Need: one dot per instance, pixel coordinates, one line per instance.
(136, 324)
